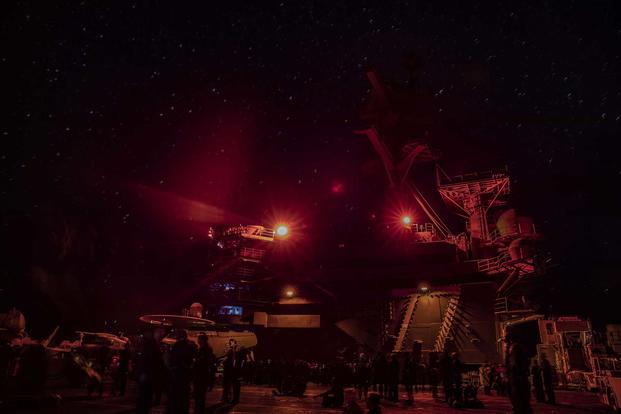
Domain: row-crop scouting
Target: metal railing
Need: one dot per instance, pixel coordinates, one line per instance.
(516, 230)
(407, 321)
(447, 323)
(504, 304)
(493, 264)
(251, 254)
(476, 176)
(425, 227)
(501, 305)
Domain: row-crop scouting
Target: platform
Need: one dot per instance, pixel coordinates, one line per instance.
(259, 399)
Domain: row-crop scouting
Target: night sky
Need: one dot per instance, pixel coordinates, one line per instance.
(118, 113)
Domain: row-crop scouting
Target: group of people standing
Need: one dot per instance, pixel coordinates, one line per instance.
(190, 373)
(385, 372)
(187, 371)
(519, 373)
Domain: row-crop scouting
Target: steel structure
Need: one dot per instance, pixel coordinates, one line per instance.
(474, 195)
(397, 166)
(501, 249)
(245, 246)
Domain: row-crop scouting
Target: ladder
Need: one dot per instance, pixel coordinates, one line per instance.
(447, 323)
(406, 322)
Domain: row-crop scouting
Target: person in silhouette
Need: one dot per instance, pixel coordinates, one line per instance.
(362, 375)
(161, 374)
(231, 375)
(241, 357)
(446, 371)
(122, 371)
(181, 358)
(393, 379)
(203, 366)
(227, 376)
(535, 371)
(433, 372)
(517, 372)
(546, 373)
(380, 372)
(409, 378)
(148, 365)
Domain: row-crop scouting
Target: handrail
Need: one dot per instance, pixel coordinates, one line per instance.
(447, 323)
(493, 263)
(405, 324)
(476, 176)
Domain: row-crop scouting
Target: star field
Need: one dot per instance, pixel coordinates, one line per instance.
(250, 106)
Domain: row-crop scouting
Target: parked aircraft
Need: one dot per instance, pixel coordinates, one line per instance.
(220, 338)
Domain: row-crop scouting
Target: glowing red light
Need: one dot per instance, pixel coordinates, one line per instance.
(337, 187)
(406, 220)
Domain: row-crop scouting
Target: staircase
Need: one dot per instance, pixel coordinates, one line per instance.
(447, 323)
(406, 322)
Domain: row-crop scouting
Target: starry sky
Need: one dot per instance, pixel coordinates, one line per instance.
(114, 112)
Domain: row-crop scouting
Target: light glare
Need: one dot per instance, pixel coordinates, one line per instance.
(282, 230)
